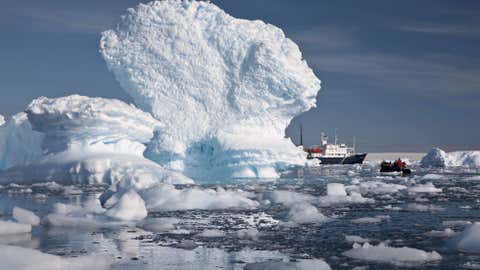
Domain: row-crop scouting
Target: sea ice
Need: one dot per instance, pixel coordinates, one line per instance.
(426, 188)
(468, 240)
(223, 89)
(25, 216)
(10, 227)
(403, 256)
(336, 189)
(166, 197)
(313, 264)
(130, 206)
(305, 213)
(20, 258)
(366, 220)
(439, 158)
(213, 233)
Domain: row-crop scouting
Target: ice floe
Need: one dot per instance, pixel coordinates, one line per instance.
(436, 157)
(25, 216)
(403, 256)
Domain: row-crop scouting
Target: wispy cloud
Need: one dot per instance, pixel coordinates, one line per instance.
(443, 29)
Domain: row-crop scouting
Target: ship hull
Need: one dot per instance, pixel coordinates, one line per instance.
(353, 159)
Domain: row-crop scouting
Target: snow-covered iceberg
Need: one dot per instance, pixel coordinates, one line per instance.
(88, 141)
(436, 157)
(223, 89)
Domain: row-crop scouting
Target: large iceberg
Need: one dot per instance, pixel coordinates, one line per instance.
(88, 141)
(436, 157)
(222, 89)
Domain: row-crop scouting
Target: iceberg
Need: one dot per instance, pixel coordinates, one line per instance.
(85, 140)
(222, 89)
(19, 144)
(436, 157)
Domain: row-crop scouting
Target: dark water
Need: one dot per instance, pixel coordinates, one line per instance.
(135, 248)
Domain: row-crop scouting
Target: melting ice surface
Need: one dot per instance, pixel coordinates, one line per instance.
(426, 221)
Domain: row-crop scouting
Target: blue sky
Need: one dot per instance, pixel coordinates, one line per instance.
(399, 75)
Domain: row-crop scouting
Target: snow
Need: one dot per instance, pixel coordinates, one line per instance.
(436, 157)
(25, 216)
(242, 80)
(403, 256)
(130, 206)
(20, 258)
(468, 240)
(314, 264)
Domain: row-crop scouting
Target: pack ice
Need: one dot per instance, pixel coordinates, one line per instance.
(436, 157)
(82, 140)
(222, 89)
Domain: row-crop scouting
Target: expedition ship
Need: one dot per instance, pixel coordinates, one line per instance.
(334, 153)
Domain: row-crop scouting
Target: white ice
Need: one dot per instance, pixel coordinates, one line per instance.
(130, 206)
(10, 227)
(403, 256)
(223, 89)
(25, 216)
(436, 157)
(20, 258)
(469, 240)
(314, 264)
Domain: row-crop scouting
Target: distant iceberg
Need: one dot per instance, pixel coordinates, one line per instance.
(84, 140)
(222, 89)
(436, 157)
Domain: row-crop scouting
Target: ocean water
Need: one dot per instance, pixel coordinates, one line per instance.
(410, 217)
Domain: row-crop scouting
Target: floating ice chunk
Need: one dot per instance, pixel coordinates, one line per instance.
(445, 233)
(426, 188)
(438, 158)
(159, 224)
(376, 187)
(130, 206)
(20, 258)
(214, 233)
(165, 197)
(290, 198)
(2, 120)
(353, 198)
(242, 80)
(403, 256)
(456, 223)
(248, 234)
(469, 240)
(366, 220)
(314, 264)
(432, 176)
(305, 213)
(423, 207)
(25, 216)
(336, 189)
(356, 239)
(9, 227)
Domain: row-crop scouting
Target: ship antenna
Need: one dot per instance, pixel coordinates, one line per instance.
(301, 134)
(336, 138)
